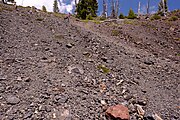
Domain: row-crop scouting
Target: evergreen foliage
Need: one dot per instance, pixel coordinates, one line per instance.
(55, 7)
(121, 16)
(131, 14)
(87, 8)
(44, 9)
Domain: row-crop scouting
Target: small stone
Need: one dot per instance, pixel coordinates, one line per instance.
(28, 115)
(69, 45)
(19, 78)
(63, 85)
(65, 114)
(118, 112)
(2, 78)
(1, 61)
(156, 117)
(149, 62)
(54, 115)
(127, 97)
(140, 110)
(104, 59)
(27, 79)
(148, 117)
(120, 82)
(172, 29)
(103, 102)
(132, 108)
(11, 99)
(75, 69)
(142, 102)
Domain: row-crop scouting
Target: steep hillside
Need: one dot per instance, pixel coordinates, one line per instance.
(53, 70)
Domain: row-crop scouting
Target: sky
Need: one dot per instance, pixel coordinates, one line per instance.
(125, 5)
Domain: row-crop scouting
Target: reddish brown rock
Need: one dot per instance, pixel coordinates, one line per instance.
(118, 112)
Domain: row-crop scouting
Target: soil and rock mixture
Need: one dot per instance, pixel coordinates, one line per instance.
(53, 70)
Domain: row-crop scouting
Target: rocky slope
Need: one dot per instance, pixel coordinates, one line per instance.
(53, 70)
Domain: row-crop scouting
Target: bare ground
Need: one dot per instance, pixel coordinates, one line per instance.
(52, 70)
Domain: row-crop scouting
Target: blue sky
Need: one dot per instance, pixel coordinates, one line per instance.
(125, 5)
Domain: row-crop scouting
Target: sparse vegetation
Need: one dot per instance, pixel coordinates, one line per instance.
(173, 18)
(178, 54)
(39, 19)
(103, 68)
(102, 18)
(58, 36)
(155, 17)
(1, 9)
(58, 15)
(131, 22)
(114, 32)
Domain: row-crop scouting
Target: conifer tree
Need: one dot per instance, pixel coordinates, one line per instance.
(55, 7)
(131, 14)
(87, 8)
(44, 9)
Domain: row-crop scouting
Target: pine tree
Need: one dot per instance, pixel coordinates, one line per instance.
(86, 8)
(121, 16)
(131, 14)
(44, 9)
(55, 7)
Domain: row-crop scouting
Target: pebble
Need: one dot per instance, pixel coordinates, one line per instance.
(63, 85)
(142, 102)
(2, 78)
(132, 108)
(156, 117)
(19, 78)
(69, 45)
(103, 102)
(27, 79)
(120, 82)
(140, 110)
(11, 99)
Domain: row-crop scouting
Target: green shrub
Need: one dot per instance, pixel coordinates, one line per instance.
(58, 15)
(103, 18)
(121, 16)
(173, 18)
(155, 17)
(103, 68)
(178, 54)
(114, 33)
